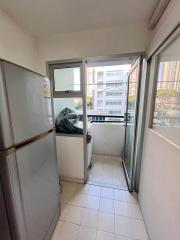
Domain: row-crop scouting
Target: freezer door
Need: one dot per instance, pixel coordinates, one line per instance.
(30, 103)
(38, 176)
(5, 127)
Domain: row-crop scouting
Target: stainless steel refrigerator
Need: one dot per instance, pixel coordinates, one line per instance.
(29, 185)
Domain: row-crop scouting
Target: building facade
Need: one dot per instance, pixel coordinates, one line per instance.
(107, 88)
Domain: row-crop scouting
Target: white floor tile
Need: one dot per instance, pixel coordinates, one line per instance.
(97, 176)
(125, 196)
(86, 233)
(98, 157)
(107, 171)
(69, 231)
(80, 200)
(90, 218)
(107, 192)
(82, 189)
(64, 211)
(106, 205)
(91, 212)
(93, 202)
(66, 197)
(101, 235)
(130, 227)
(106, 222)
(113, 158)
(94, 190)
(69, 187)
(57, 231)
(127, 209)
(74, 215)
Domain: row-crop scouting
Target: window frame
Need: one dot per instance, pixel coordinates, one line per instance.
(64, 65)
(156, 56)
(61, 64)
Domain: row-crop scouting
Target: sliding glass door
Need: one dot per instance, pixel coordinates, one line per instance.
(131, 121)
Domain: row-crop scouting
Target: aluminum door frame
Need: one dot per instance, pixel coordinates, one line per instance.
(129, 181)
(141, 122)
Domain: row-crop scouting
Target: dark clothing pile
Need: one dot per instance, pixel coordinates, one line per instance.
(66, 123)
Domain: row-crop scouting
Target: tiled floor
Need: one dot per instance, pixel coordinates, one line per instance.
(107, 171)
(92, 212)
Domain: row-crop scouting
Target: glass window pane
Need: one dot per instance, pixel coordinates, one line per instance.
(166, 119)
(75, 104)
(74, 119)
(107, 90)
(67, 79)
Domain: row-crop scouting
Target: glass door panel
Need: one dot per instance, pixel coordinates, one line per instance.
(131, 121)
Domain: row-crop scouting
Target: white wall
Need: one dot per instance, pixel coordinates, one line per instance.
(108, 138)
(16, 44)
(159, 194)
(99, 42)
(169, 20)
(159, 188)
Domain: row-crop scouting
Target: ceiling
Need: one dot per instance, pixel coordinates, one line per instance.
(49, 17)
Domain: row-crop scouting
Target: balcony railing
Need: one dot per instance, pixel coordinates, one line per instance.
(106, 118)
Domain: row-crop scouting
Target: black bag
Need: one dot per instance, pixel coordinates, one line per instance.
(65, 122)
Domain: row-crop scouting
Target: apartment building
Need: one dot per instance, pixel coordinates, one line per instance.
(107, 88)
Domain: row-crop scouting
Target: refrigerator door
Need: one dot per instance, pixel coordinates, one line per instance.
(29, 100)
(38, 177)
(5, 126)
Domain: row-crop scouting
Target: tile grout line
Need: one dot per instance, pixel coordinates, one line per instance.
(96, 229)
(101, 211)
(112, 185)
(100, 197)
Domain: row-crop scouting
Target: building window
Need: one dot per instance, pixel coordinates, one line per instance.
(114, 85)
(113, 94)
(114, 75)
(100, 76)
(166, 116)
(113, 103)
(99, 94)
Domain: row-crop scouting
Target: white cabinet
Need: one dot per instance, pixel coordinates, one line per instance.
(70, 155)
